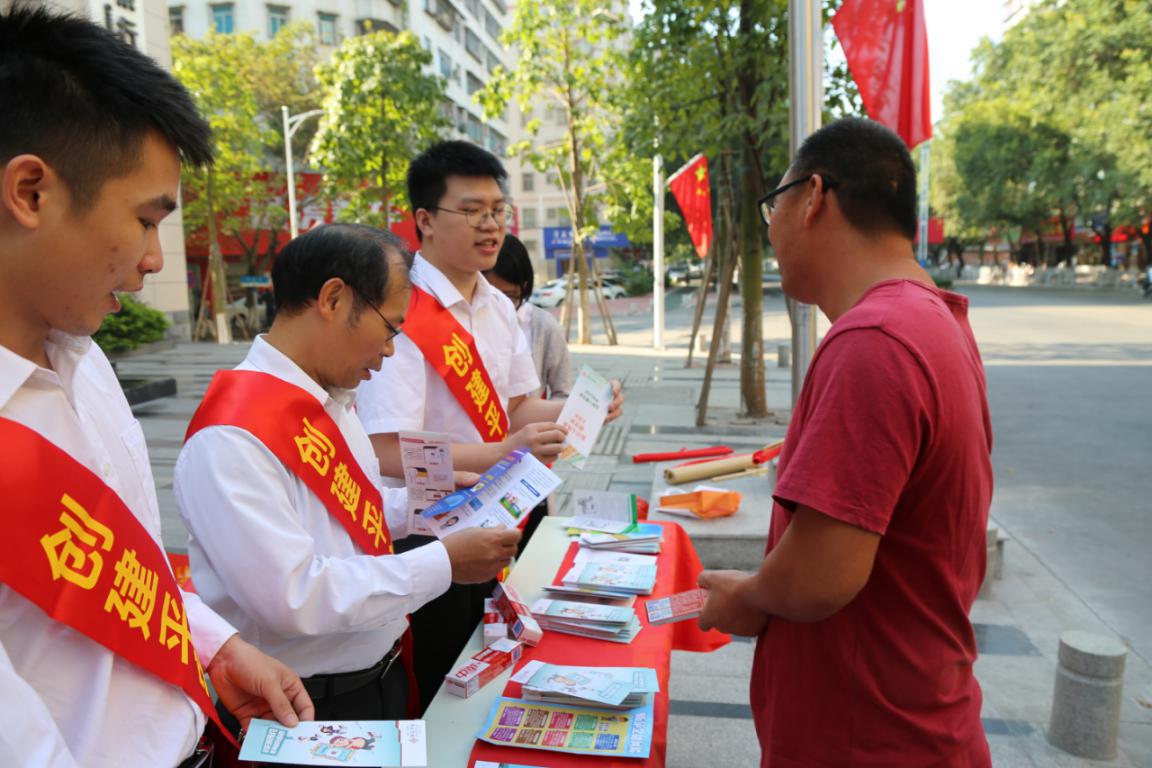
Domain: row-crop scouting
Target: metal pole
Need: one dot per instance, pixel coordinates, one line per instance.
(658, 253)
(293, 225)
(806, 70)
(922, 247)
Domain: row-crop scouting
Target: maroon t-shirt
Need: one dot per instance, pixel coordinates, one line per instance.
(891, 434)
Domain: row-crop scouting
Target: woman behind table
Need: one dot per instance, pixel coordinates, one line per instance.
(513, 277)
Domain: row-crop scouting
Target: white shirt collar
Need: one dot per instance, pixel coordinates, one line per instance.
(265, 358)
(64, 353)
(429, 277)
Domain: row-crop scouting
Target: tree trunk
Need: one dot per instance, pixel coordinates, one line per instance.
(216, 271)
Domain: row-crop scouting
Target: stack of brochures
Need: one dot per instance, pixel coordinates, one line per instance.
(604, 687)
(616, 571)
(604, 622)
(645, 539)
(595, 595)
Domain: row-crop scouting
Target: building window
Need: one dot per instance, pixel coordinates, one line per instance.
(474, 84)
(493, 61)
(277, 19)
(552, 178)
(475, 130)
(176, 20)
(326, 28)
(497, 144)
(528, 218)
(223, 18)
(529, 182)
(473, 7)
(473, 46)
(445, 64)
(491, 25)
(559, 216)
(530, 245)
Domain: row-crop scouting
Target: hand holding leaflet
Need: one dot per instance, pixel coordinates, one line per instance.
(583, 415)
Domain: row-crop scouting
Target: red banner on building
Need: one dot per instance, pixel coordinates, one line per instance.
(886, 45)
(689, 186)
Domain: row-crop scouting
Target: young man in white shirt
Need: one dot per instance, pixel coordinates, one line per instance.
(99, 649)
(468, 369)
(279, 486)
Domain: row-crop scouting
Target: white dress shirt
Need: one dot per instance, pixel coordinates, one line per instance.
(407, 393)
(64, 699)
(268, 555)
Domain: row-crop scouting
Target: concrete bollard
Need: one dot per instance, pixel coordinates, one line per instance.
(783, 355)
(1089, 689)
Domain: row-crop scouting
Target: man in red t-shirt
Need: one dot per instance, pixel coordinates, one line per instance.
(876, 548)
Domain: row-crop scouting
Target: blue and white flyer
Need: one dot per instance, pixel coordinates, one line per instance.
(383, 743)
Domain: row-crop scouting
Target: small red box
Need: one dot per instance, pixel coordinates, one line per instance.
(478, 671)
(521, 623)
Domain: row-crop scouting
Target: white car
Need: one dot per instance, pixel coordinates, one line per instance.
(551, 293)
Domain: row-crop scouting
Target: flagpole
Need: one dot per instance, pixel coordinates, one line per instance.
(806, 71)
(658, 252)
(922, 246)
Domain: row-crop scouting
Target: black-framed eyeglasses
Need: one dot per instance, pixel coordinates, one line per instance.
(393, 331)
(476, 218)
(767, 204)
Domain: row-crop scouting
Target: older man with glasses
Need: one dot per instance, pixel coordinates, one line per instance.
(877, 542)
(291, 534)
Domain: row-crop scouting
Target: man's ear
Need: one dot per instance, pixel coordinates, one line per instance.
(26, 184)
(817, 199)
(332, 295)
(423, 221)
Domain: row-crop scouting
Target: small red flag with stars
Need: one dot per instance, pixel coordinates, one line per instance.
(690, 187)
(886, 45)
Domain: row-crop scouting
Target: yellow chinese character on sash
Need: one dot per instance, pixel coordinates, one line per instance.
(373, 522)
(79, 565)
(479, 390)
(133, 593)
(315, 448)
(493, 420)
(346, 490)
(174, 627)
(200, 672)
(457, 356)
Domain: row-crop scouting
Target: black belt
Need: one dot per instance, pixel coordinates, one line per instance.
(202, 757)
(325, 686)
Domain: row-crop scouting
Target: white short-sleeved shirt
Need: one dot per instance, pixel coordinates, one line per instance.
(65, 700)
(407, 393)
(268, 555)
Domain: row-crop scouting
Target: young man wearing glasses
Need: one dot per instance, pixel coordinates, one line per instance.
(279, 486)
(462, 368)
(877, 542)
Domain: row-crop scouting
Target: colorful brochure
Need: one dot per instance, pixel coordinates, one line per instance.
(504, 496)
(603, 511)
(545, 609)
(588, 685)
(387, 743)
(427, 461)
(678, 607)
(631, 579)
(583, 414)
(575, 730)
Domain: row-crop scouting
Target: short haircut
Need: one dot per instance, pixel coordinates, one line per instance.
(514, 265)
(355, 253)
(428, 174)
(82, 100)
(875, 180)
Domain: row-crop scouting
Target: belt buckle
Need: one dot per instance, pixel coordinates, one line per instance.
(391, 658)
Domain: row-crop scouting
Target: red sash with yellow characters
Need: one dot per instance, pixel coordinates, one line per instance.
(77, 552)
(292, 423)
(452, 352)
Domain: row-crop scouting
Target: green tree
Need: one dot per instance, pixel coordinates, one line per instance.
(570, 58)
(381, 107)
(1070, 86)
(711, 76)
(240, 83)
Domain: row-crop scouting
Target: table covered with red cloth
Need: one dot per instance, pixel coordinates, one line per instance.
(677, 569)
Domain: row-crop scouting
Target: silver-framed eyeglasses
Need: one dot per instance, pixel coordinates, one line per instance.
(767, 204)
(477, 217)
(393, 331)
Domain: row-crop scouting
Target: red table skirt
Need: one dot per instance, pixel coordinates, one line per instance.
(677, 570)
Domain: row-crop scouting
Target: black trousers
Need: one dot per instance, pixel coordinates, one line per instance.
(442, 627)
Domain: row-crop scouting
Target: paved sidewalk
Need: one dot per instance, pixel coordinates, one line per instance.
(1017, 628)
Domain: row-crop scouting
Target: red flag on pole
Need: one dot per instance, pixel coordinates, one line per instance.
(689, 186)
(886, 44)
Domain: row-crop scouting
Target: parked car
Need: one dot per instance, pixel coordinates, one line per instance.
(551, 293)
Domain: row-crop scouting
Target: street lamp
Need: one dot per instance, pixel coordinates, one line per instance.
(291, 124)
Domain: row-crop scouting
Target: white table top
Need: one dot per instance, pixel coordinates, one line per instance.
(453, 722)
